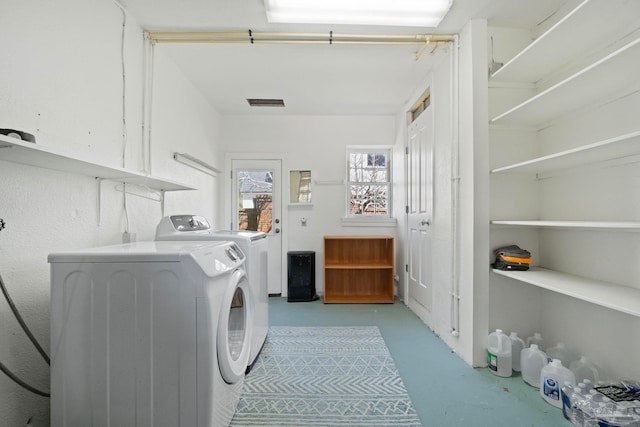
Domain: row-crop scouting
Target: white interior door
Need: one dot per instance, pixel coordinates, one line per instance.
(419, 217)
(256, 188)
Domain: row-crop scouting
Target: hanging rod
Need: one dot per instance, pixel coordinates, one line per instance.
(252, 37)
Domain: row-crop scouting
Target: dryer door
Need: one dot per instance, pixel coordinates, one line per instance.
(235, 328)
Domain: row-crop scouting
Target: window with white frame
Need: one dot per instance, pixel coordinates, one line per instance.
(369, 186)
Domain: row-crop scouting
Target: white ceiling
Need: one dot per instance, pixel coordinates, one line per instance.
(312, 79)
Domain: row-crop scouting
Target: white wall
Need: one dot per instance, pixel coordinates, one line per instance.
(318, 144)
(474, 193)
(62, 82)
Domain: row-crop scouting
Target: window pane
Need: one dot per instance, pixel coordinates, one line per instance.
(369, 199)
(376, 159)
(369, 185)
(255, 188)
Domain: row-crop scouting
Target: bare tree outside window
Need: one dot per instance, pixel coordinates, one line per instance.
(369, 182)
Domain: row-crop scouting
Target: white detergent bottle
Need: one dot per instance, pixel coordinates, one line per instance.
(583, 369)
(552, 378)
(517, 345)
(561, 352)
(536, 339)
(499, 354)
(532, 360)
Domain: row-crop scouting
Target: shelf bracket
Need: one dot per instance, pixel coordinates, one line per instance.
(98, 199)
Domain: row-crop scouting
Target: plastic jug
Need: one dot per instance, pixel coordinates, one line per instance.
(584, 369)
(536, 339)
(552, 378)
(517, 345)
(532, 360)
(561, 352)
(499, 354)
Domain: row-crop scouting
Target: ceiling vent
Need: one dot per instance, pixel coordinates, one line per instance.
(258, 102)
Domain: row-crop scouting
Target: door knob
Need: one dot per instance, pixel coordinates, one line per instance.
(277, 221)
(424, 222)
(277, 230)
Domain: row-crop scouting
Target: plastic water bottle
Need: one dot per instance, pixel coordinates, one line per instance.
(517, 345)
(584, 369)
(561, 352)
(552, 378)
(577, 413)
(499, 354)
(536, 339)
(532, 360)
(568, 397)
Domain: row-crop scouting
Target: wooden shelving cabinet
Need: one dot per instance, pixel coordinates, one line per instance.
(358, 269)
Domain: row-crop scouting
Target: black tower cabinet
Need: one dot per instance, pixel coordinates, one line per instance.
(301, 268)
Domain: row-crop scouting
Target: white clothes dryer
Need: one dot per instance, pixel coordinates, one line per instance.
(153, 334)
(254, 246)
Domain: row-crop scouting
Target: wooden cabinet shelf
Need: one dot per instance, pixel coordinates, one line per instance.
(358, 269)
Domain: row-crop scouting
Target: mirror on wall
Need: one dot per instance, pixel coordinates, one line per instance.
(300, 186)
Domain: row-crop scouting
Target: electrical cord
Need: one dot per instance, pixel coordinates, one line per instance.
(6, 370)
(22, 383)
(24, 326)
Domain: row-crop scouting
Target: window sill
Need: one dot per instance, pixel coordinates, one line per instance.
(368, 222)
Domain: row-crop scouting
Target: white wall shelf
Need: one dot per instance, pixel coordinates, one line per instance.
(552, 48)
(607, 76)
(608, 149)
(14, 150)
(594, 225)
(574, 87)
(620, 298)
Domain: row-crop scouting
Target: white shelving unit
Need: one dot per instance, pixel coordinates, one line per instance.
(615, 297)
(14, 150)
(594, 225)
(610, 28)
(572, 35)
(610, 149)
(608, 75)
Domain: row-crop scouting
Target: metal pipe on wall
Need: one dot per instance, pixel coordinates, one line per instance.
(251, 37)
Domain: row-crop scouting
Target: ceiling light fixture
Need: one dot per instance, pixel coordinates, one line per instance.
(409, 13)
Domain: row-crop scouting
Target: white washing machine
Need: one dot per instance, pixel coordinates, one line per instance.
(149, 334)
(254, 246)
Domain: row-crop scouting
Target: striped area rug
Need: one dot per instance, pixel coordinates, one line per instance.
(325, 376)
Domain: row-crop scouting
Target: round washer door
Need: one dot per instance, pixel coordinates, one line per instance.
(235, 328)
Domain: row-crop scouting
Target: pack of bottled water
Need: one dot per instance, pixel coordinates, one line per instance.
(602, 404)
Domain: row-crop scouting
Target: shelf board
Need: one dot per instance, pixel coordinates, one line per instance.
(609, 75)
(358, 299)
(608, 149)
(620, 298)
(596, 225)
(552, 48)
(358, 266)
(27, 153)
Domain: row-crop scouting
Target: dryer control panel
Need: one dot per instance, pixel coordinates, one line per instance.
(189, 223)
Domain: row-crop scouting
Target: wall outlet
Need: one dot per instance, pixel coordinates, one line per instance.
(128, 237)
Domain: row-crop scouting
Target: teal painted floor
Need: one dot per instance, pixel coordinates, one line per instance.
(444, 389)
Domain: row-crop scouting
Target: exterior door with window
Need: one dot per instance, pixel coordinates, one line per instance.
(419, 216)
(256, 206)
